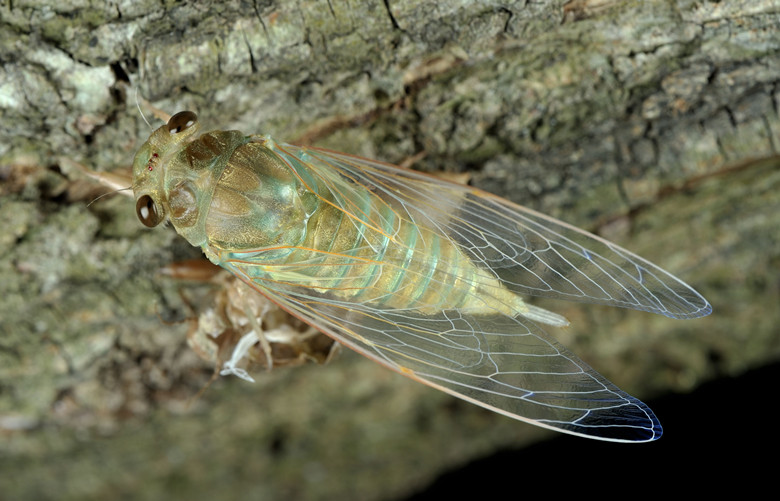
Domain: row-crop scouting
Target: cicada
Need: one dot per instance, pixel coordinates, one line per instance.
(423, 276)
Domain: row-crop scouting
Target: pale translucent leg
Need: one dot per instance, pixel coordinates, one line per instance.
(239, 352)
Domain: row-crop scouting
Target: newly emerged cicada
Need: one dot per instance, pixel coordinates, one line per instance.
(421, 275)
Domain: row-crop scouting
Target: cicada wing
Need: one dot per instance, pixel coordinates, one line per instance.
(506, 364)
(530, 253)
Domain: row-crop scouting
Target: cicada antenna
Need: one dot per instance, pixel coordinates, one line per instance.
(157, 112)
(138, 105)
(109, 193)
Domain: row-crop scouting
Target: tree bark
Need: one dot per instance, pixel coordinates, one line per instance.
(654, 124)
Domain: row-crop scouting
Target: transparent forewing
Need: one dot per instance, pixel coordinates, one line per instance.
(506, 364)
(530, 253)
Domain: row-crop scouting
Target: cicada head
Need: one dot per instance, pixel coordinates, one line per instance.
(148, 167)
(176, 172)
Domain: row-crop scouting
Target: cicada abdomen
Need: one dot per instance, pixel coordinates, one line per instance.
(421, 275)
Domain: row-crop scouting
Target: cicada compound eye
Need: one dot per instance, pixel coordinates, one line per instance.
(181, 121)
(147, 211)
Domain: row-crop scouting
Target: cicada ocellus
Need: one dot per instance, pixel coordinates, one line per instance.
(421, 275)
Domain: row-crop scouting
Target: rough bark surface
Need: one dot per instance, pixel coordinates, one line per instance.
(653, 123)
